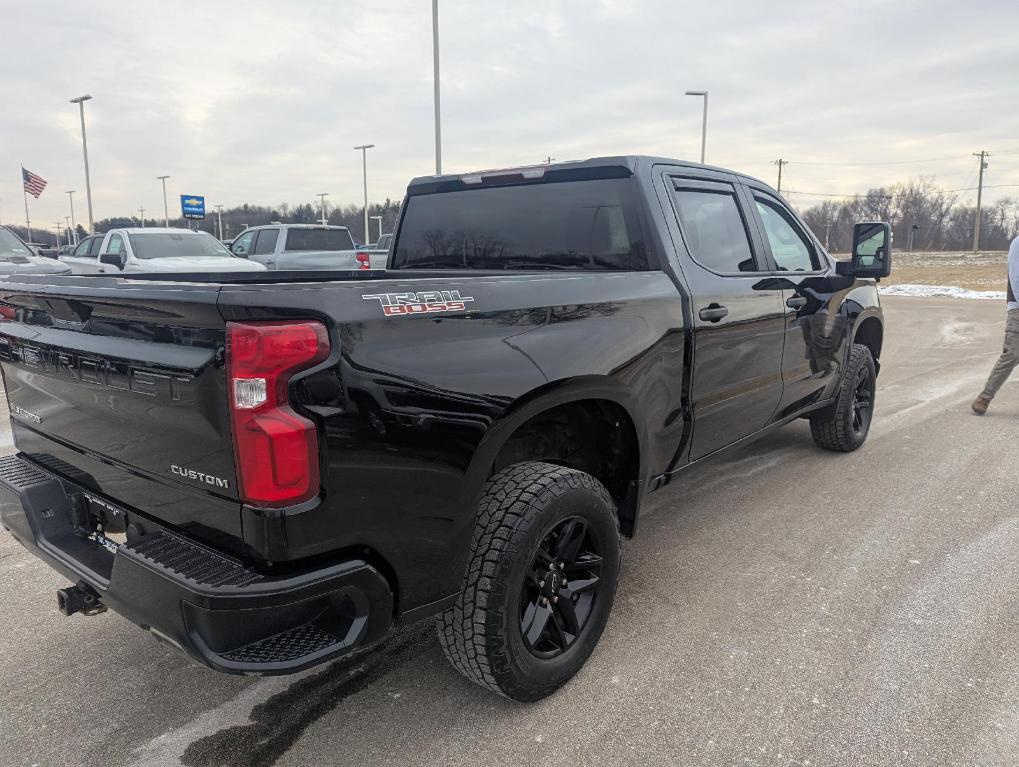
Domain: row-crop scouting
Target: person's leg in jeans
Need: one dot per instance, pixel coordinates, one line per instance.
(1004, 366)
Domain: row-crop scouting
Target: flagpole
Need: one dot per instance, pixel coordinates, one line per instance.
(24, 192)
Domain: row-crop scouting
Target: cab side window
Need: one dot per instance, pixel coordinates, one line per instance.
(94, 245)
(266, 242)
(116, 245)
(82, 249)
(713, 226)
(790, 247)
(242, 245)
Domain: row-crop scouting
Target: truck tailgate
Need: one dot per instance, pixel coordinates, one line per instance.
(122, 389)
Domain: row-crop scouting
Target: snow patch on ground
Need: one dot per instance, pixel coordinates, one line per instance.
(950, 291)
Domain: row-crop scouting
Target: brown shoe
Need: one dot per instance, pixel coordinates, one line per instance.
(980, 405)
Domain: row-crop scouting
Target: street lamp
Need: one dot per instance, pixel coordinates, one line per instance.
(704, 120)
(74, 227)
(379, 219)
(435, 82)
(322, 196)
(166, 209)
(80, 101)
(219, 217)
(364, 164)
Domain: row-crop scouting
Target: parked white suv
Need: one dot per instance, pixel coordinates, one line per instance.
(298, 247)
(155, 249)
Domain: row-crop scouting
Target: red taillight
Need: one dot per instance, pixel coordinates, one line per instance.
(364, 261)
(8, 312)
(276, 448)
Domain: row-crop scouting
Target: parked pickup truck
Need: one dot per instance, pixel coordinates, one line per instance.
(157, 249)
(270, 470)
(295, 247)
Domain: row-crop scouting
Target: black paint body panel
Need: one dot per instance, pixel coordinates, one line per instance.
(412, 410)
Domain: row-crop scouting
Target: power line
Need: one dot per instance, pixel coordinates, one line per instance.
(891, 162)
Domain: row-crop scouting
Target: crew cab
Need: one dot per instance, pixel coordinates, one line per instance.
(271, 470)
(290, 247)
(156, 249)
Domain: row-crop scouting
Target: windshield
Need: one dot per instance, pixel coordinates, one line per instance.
(319, 239)
(177, 245)
(11, 248)
(583, 225)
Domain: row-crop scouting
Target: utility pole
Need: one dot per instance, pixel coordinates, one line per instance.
(435, 81)
(364, 162)
(80, 101)
(141, 216)
(166, 210)
(322, 196)
(219, 216)
(704, 120)
(980, 190)
(58, 228)
(780, 162)
(74, 226)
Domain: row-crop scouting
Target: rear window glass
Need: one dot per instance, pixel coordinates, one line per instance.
(582, 225)
(319, 239)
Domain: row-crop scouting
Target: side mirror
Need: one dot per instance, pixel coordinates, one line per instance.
(872, 249)
(112, 259)
(239, 251)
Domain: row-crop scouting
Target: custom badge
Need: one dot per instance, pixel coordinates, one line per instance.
(423, 302)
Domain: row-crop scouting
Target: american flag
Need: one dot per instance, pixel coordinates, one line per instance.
(33, 184)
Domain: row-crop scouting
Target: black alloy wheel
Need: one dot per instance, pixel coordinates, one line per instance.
(561, 588)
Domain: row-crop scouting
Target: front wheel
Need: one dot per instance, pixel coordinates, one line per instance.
(539, 584)
(844, 425)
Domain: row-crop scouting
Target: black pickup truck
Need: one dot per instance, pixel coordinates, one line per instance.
(271, 470)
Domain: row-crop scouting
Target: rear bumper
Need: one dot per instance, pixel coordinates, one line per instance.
(203, 602)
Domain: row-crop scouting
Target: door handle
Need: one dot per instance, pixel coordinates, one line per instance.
(713, 313)
(796, 302)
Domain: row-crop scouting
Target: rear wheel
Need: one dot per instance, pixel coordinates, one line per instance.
(540, 581)
(844, 425)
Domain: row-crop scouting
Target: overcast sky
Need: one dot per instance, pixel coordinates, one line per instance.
(262, 102)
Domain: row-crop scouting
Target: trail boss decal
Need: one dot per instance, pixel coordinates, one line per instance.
(424, 302)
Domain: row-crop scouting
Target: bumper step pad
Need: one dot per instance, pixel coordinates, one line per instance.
(284, 647)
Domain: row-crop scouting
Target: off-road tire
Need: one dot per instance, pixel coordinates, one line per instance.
(833, 427)
(481, 633)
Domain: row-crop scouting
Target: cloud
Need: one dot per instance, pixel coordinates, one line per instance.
(263, 101)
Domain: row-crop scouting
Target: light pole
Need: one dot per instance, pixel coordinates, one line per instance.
(704, 120)
(364, 167)
(322, 196)
(80, 101)
(379, 219)
(74, 227)
(219, 217)
(67, 221)
(166, 210)
(435, 80)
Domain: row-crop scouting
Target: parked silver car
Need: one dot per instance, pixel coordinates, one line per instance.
(304, 246)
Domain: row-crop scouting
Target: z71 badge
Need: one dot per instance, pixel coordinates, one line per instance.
(422, 302)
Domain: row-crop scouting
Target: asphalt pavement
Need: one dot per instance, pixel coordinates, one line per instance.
(780, 605)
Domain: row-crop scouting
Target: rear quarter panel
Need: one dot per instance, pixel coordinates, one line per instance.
(414, 408)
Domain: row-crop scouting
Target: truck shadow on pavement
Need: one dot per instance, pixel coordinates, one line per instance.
(278, 722)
